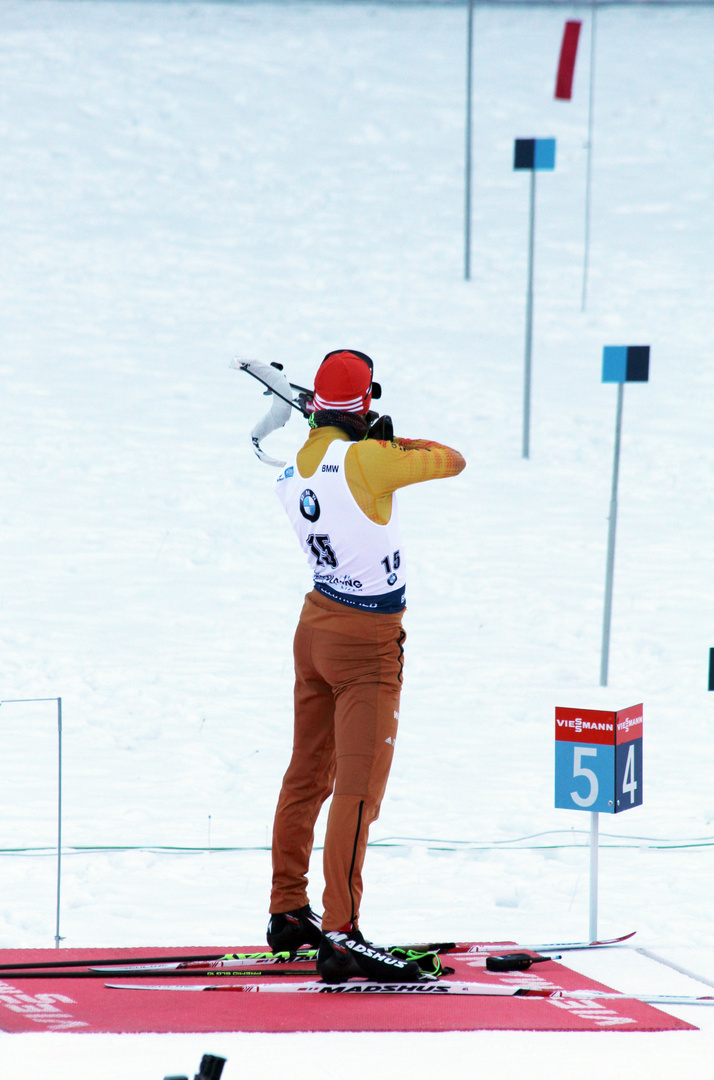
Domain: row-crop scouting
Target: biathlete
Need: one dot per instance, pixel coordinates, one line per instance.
(339, 495)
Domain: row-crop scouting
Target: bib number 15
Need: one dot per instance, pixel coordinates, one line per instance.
(394, 565)
(390, 568)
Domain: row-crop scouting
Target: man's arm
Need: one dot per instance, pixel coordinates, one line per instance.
(375, 469)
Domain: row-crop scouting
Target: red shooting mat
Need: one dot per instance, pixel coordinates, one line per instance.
(86, 1005)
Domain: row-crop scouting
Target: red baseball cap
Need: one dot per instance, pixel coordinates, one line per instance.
(344, 381)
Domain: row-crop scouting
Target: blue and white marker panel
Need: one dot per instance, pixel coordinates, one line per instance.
(626, 363)
(628, 758)
(628, 775)
(534, 154)
(583, 777)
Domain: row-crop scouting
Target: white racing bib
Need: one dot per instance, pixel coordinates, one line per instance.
(354, 560)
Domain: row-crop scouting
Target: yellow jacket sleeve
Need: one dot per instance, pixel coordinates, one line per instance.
(375, 469)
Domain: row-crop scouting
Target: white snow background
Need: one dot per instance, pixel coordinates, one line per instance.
(184, 183)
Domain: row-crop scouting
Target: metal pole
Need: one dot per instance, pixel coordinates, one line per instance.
(612, 528)
(529, 325)
(27, 701)
(59, 818)
(467, 207)
(594, 845)
(589, 146)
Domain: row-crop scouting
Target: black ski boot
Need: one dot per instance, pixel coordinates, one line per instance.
(342, 956)
(291, 929)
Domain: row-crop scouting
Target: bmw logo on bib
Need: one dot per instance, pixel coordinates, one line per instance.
(309, 506)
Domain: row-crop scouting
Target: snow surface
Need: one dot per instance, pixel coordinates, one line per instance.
(183, 183)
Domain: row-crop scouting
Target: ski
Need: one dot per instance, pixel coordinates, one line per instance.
(603, 943)
(101, 973)
(51, 964)
(649, 999)
(252, 959)
(437, 988)
(234, 960)
(303, 955)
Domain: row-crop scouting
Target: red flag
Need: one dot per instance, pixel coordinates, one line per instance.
(566, 65)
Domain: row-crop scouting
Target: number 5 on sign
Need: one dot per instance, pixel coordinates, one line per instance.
(598, 759)
(583, 776)
(579, 752)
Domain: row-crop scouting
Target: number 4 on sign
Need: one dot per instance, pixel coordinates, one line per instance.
(629, 784)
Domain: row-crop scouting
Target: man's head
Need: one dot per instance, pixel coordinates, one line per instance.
(344, 382)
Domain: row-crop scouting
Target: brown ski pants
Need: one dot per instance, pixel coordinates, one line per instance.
(348, 671)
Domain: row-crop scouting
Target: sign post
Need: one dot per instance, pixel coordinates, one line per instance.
(598, 768)
(469, 127)
(589, 164)
(620, 364)
(22, 701)
(534, 155)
